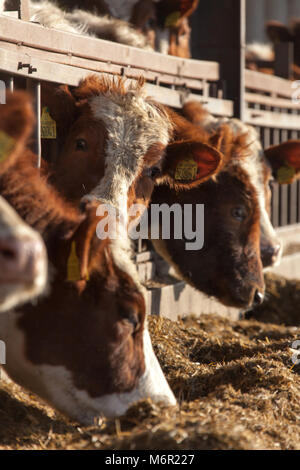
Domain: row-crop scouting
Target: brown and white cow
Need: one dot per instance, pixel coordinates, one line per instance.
(239, 237)
(85, 346)
(23, 261)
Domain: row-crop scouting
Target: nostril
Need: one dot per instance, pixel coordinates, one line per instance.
(8, 250)
(258, 298)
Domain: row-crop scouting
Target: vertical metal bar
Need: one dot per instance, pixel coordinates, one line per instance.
(275, 205)
(34, 87)
(283, 191)
(293, 203)
(11, 84)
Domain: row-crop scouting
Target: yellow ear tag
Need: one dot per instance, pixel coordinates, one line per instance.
(48, 125)
(285, 174)
(172, 19)
(73, 265)
(186, 170)
(7, 144)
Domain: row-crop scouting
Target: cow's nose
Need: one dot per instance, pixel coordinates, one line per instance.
(20, 259)
(258, 298)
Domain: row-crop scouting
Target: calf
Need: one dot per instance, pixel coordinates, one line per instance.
(23, 262)
(162, 24)
(239, 237)
(85, 347)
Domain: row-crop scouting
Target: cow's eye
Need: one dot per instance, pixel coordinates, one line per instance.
(81, 144)
(239, 213)
(131, 315)
(154, 172)
(271, 183)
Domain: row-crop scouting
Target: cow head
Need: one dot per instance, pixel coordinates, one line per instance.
(116, 145)
(229, 265)
(259, 172)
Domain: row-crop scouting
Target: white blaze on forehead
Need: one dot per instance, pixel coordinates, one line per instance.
(133, 125)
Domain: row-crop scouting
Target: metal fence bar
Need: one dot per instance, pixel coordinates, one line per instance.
(34, 87)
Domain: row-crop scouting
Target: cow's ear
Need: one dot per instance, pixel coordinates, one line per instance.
(81, 244)
(278, 32)
(285, 161)
(16, 123)
(187, 164)
(60, 104)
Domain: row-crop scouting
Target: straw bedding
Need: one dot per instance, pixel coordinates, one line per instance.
(236, 385)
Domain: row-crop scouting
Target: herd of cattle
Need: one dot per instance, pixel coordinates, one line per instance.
(72, 307)
(83, 345)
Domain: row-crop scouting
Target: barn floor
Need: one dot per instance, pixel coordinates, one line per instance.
(234, 381)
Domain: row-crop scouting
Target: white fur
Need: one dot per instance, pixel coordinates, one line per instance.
(11, 225)
(104, 27)
(132, 125)
(55, 385)
(259, 51)
(87, 24)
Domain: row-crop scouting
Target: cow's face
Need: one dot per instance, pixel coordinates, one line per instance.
(117, 148)
(228, 266)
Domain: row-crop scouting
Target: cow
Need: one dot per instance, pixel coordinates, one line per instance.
(84, 347)
(161, 25)
(23, 260)
(239, 238)
(79, 21)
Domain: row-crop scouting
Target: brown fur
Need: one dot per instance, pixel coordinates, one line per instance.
(16, 121)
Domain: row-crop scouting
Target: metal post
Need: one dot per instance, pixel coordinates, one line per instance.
(218, 34)
(34, 87)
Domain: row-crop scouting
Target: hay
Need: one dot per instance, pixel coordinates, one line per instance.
(234, 382)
